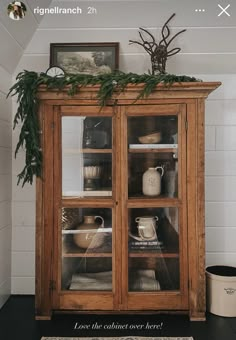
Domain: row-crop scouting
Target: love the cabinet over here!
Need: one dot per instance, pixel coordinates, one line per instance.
(120, 205)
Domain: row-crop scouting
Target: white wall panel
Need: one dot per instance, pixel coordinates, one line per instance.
(5, 291)
(5, 213)
(221, 238)
(47, 36)
(221, 112)
(21, 194)
(16, 34)
(220, 163)
(23, 239)
(5, 134)
(140, 63)
(5, 186)
(14, 50)
(24, 213)
(223, 258)
(192, 41)
(227, 90)
(5, 106)
(182, 64)
(23, 264)
(20, 30)
(36, 63)
(210, 139)
(5, 264)
(5, 164)
(5, 80)
(220, 188)
(5, 253)
(226, 138)
(221, 214)
(18, 162)
(23, 285)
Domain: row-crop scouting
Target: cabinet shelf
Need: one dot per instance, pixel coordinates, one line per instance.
(75, 231)
(150, 253)
(76, 252)
(86, 254)
(73, 202)
(164, 150)
(79, 151)
(158, 201)
(70, 249)
(85, 194)
(143, 148)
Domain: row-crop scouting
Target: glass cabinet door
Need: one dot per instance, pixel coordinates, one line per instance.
(86, 219)
(153, 156)
(120, 207)
(153, 249)
(86, 249)
(155, 215)
(87, 156)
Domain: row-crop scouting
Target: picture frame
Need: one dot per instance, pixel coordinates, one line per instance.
(85, 58)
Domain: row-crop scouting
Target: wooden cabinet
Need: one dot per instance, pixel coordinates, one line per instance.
(108, 237)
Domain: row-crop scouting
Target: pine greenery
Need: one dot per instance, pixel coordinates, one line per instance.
(26, 88)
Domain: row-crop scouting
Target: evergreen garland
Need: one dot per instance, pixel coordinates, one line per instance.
(26, 88)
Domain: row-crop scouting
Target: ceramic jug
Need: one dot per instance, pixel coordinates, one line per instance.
(87, 235)
(146, 228)
(152, 181)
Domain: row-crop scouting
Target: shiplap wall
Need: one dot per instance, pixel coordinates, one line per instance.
(5, 186)
(14, 37)
(207, 52)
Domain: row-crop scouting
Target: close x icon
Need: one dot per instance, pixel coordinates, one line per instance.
(224, 10)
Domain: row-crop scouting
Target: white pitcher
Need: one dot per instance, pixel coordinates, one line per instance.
(146, 228)
(152, 181)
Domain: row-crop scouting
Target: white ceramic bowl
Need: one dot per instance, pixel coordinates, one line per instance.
(151, 138)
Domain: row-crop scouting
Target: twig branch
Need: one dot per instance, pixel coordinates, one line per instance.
(158, 52)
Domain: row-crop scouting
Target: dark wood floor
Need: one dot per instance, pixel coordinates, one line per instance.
(17, 323)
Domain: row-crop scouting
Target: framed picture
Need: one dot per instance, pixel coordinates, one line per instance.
(86, 58)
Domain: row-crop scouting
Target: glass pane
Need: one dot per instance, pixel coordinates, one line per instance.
(153, 249)
(153, 174)
(155, 130)
(153, 156)
(153, 274)
(86, 249)
(86, 156)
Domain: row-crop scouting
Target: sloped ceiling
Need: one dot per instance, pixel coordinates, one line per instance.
(15, 35)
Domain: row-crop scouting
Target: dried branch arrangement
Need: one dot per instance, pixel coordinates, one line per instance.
(159, 52)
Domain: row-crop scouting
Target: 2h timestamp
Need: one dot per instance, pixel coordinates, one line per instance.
(91, 10)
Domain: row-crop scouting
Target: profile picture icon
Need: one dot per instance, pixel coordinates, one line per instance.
(16, 10)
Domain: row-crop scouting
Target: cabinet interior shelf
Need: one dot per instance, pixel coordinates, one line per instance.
(160, 200)
(137, 255)
(79, 151)
(71, 250)
(75, 231)
(164, 150)
(154, 254)
(73, 202)
(86, 254)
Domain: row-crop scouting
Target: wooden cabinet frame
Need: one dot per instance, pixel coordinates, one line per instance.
(185, 99)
